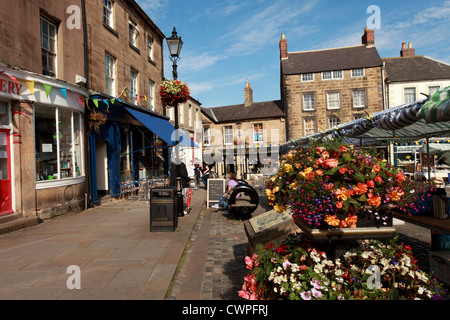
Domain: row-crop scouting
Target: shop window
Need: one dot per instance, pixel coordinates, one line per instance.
(4, 113)
(58, 143)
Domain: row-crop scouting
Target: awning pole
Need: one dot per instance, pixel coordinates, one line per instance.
(428, 160)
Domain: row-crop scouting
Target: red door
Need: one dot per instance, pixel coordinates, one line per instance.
(5, 173)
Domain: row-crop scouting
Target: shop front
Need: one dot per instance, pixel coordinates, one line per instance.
(130, 147)
(41, 144)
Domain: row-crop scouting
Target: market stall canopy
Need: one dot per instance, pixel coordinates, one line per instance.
(161, 127)
(407, 122)
(435, 148)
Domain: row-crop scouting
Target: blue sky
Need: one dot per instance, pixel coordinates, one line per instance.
(229, 42)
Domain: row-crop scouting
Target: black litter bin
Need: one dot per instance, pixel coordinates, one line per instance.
(163, 216)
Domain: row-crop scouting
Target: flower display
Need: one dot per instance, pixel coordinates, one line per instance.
(373, 270)
(173, 92)
(96, 119)
(334, 185)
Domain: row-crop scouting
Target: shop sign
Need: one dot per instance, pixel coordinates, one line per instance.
(10, 87)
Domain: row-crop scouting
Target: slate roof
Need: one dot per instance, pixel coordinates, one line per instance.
(258, 110)
(343, 58)
(415, 68)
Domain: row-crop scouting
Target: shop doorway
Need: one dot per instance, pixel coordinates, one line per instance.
(101, 158)
(5, 173)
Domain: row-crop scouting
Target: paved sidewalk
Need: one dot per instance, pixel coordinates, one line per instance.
(118, 256)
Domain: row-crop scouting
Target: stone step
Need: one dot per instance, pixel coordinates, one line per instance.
(16, 222)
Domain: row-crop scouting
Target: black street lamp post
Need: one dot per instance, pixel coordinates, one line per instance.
(174, 43)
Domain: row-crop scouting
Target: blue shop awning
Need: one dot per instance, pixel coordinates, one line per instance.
(162, 128)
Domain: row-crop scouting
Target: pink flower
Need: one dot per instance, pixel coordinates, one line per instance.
(316, 293)
(249, 262)
(316, 284)
(319, 149)
(331, 163)
(306, 295)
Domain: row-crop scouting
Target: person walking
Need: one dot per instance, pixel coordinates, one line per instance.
(232, 182)
(198, 173)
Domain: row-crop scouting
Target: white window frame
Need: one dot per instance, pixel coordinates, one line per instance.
(307, 77)
(108, 13)
(150, 47)
(357, 100)
(228, 135)
(406, 98)
(151, 94)
(133, 32)
(329, 94)
(358, 72)
(110, 74)
(333, 121)
(134, 85)
(307, 128)
(258, 133)
(333, 75)
(47, 51)
(307, 103)
(437, 87)
(207, 136)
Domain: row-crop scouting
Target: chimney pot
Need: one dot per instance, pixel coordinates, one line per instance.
(407, 51)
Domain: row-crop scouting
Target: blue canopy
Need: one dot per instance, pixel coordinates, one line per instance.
(162, 128)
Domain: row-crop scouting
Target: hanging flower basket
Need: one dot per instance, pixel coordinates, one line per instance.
(173, 92)
(96, 119)
(330, 185)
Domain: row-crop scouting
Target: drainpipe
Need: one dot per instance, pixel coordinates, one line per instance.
(85, 43)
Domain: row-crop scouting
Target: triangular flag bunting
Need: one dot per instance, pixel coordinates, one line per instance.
(12, 78)
(47, 88)
(95, 102)
(106, 101)
(30, 84)
(112, 101)
(64, 91)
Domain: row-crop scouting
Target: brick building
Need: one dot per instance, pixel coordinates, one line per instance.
(323, 88)
(240, 137)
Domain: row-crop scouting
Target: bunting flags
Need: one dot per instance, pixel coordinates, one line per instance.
(47, 88)
(64, 91)
(30, 85)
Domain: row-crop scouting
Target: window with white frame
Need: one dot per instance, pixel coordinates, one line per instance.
(58, 143)
(308, 102)
(308, 77)
(333, 100)
(358, 72)
(432, 89)
(329, 75)
(206, 136)
(150, 48)
(151, 95)
(48, 47)
(258, 135)
(133, 85)
(133, 32)
(359, 98)
(110, 76)
(409, 95)
(108, 19)
(190, 115)
(228, 135)
(309, 126)
(333, 121)
(181, 113)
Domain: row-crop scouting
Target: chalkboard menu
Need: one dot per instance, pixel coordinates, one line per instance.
(216, 187)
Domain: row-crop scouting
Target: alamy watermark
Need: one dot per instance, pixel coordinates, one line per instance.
(74, 280)
(374, 21)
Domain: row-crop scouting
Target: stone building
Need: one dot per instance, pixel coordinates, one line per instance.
(410, 75)
(241, 137)
(42, 76)
(322, 88)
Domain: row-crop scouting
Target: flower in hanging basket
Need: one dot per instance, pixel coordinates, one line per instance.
(329, 184)
(97, 119)
(173, 92)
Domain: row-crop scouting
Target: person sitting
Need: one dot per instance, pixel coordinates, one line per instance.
(232, 182)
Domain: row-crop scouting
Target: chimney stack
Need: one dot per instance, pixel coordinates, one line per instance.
(368, 38)
(407, 52)
(283, 47)
(248, 95)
